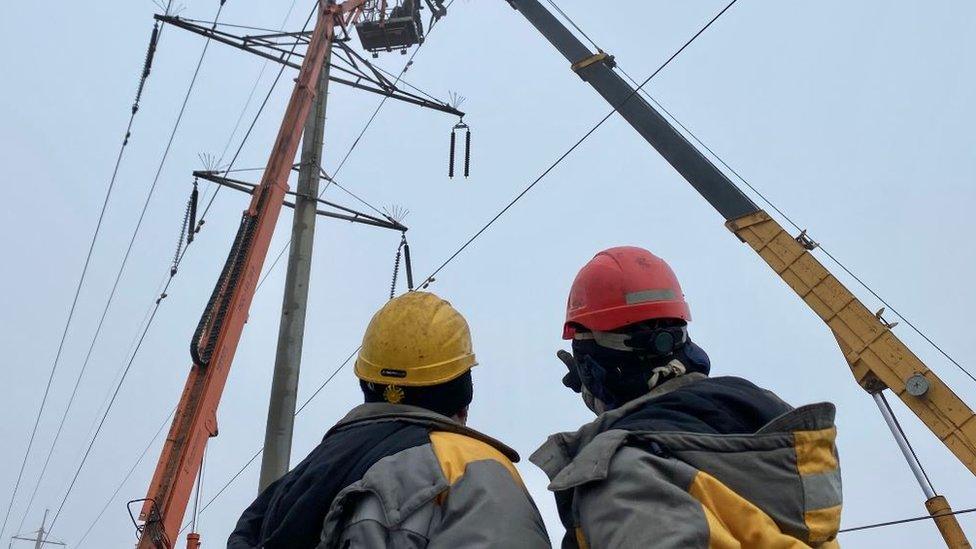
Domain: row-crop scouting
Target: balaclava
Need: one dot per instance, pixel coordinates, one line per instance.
(612, 368)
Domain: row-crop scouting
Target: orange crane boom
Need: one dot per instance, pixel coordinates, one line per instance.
(219, 332)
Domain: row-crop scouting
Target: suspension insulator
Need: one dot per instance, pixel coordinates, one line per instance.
(193, 213)
(147, 66)
(151, 52)
(467, 153)
(406, 259)
(396, 264)
(450, 161)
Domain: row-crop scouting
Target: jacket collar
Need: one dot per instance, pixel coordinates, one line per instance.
(561, 449)
(382, 411)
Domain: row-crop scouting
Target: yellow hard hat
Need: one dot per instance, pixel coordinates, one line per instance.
(415, 340)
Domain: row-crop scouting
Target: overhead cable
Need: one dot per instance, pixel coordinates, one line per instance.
(789, 220)
(126, 478)
(355, 143)
(147, 324)
(254, 122)
(125, 371)
(430, 277)
(121, 270)
(907, 520)
(147, 66)
(254, 457)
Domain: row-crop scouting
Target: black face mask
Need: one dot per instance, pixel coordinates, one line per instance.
(616, 377)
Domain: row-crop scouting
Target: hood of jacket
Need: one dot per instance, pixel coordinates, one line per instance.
(787, 466)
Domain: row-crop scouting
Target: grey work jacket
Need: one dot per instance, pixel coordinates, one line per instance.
(778, 487)
(461, 490)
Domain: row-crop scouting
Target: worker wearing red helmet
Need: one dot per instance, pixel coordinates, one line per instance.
(675, 458)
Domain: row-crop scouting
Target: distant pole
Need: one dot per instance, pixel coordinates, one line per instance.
(291, 331)
(40, 536)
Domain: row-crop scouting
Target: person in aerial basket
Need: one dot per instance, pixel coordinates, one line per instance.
(402, 470)
(676, 458)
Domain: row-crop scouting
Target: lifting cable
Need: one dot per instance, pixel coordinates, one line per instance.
(195, 524)
(146, 69)
(118, 278)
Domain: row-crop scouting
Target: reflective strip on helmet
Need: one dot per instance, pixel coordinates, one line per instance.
(609, 340)
(645, 296)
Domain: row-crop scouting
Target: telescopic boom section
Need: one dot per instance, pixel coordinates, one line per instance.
(878, 359)
(219, 332)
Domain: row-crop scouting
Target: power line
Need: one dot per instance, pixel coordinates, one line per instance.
(101, 422)
(128, 475)
(154, 41)
(430, 277)
(355, 143)
(162, 295)
(763, 197)
(118, 277)
(907, 520)
(250, 96)
(789, 220)
(255, 121)
(248, 463)
(334, 181)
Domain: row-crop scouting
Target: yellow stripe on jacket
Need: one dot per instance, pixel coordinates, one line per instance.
(454, 452)
(734, 522)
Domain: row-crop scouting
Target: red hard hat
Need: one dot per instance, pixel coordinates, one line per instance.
(623, 286)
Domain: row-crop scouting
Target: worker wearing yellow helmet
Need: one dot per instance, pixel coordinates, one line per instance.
(402, 469)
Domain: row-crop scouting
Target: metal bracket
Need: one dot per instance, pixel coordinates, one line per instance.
(348, 214)
(595, 58)
(880, 317)
(348, 67)
(808, 243)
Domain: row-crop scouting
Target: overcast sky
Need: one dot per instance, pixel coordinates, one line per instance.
(855, 118)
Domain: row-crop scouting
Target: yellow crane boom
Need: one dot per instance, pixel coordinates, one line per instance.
(878, 359)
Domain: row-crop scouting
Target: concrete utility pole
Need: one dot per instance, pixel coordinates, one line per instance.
(291, 331)
(40, 536)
